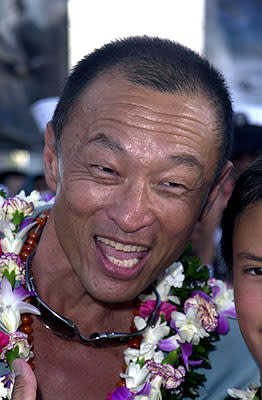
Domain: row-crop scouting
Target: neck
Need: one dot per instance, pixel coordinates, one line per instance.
(60, 288)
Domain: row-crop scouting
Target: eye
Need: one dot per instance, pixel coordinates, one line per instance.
(255, 271)
(103, 170)
(172, 186)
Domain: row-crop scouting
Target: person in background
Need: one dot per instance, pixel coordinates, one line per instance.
(242, 251)
(247, 146)
(38, 182)
(12, 181)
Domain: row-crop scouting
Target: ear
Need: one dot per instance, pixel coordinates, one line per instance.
(216, 188)
(50, 157)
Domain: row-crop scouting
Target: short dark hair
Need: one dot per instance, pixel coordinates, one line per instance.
(160, 64)
(247, 191)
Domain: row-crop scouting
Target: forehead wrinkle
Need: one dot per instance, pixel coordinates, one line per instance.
(156, 114)
(106, 141)
(159, 127)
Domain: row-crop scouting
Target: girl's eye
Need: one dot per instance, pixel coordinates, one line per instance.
(256, 271)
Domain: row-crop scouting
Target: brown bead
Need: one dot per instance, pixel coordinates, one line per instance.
(28, 300)
(31, 242)
(27, 247)
(41, 221)
(26, 329)
(133, 327)
(32, 365)
(135, 343)
(30, 339)
(24, 255)
(46, 213)
(26, 319)
(121, 383)
(32, 235)
(136, 312)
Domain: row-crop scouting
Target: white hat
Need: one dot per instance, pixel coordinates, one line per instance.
(42, 111)
(252, 113)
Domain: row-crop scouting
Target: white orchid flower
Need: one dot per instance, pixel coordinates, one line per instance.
(135, 376)
(189, 325)
(13, 204)
(146, 352)
(3, 389)
(13, 243)
(223, 295)
(173, 276)
(155, 391)
(12, 305)
(34, 198)
(152, 334)
(244, 395)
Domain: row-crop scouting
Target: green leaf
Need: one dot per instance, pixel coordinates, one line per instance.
(17, 219)
(3, 193)
(11, 355)
(171, 358)
(10, 276)
(141, 362)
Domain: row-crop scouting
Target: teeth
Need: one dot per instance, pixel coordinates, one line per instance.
(119, 246)
(123, 263)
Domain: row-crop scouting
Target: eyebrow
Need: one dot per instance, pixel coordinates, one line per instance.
(249, 256)
(179, 159)
(186, 159)
(106, 141)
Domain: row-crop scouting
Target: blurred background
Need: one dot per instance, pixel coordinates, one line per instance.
(40, 40)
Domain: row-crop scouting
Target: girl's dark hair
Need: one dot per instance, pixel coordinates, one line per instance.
(247, 191)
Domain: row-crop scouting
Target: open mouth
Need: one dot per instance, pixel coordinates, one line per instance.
(121, 255)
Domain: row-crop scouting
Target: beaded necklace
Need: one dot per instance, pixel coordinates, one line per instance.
(28, 247)
(160, 362)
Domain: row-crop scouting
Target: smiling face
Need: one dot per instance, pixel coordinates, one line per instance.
(247, 273)
(132, 176)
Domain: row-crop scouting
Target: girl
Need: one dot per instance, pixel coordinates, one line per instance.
(242, 250)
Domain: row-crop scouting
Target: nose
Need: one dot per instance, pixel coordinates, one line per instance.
(132, 211)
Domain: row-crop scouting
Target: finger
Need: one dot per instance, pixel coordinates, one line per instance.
(25, 381)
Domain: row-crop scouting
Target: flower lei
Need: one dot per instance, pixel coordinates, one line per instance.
(253, 392)
(162, 363)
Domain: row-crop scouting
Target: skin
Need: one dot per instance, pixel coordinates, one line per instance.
(247, 273)
(206, 228)
(119, 176)
(135, 167)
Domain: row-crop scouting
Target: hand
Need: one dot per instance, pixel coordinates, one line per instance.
(25, 381)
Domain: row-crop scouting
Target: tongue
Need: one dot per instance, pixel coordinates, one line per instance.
(121, 255)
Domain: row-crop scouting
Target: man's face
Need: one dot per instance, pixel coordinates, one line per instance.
(133, 173)
(247, 273)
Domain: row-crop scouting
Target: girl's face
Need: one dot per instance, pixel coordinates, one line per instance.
(247, 270)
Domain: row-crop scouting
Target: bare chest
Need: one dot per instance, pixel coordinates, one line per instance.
(66, 369)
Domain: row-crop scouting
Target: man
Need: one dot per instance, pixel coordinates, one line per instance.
(136, 151)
